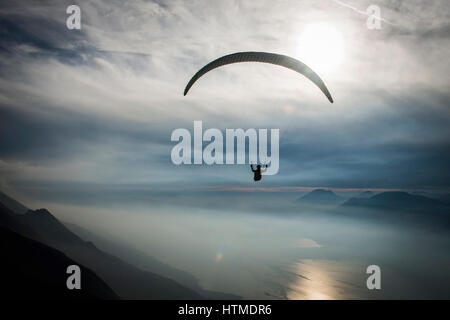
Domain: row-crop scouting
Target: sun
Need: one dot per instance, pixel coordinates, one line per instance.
(321, 47)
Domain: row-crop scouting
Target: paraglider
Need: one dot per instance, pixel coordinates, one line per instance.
(257, 173)
(264, 57)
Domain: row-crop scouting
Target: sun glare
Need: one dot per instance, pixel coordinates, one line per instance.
(321, 47)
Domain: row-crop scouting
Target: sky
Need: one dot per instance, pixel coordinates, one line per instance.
(91, 111)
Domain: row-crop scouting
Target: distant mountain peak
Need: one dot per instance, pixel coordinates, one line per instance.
(395, 193)
(401, 196)
(398, 200)
(365, 194)
(42, 212)
(320, 193)
(320, 196)
(44, 215)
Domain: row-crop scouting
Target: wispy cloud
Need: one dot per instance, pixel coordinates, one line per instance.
(98, 105)
(363, 12)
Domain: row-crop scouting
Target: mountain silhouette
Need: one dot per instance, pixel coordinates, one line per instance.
(400, 207)
(31, 269)
(49, 228)
(365, 194)
(320, 197)
(148, 263)
(14, 222)
(125, 279)
(398, 200)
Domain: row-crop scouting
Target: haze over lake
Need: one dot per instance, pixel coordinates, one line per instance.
(272, 255)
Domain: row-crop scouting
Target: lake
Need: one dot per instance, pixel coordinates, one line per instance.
(273, 256)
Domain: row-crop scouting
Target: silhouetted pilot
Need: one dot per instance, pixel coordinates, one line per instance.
(257, 173)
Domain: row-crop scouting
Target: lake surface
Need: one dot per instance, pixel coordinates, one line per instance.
(268, 256)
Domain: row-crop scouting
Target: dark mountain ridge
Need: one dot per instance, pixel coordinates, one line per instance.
(320, 196)
(32, 270)
(365, 194)
(399, 207)
(318, 200)
(397, 200)
(126, 280)
(148, 263)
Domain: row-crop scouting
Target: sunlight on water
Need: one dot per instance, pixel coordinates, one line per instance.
(325, 280)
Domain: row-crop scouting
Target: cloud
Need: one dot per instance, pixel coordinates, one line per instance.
(306, 243)
(97, 105)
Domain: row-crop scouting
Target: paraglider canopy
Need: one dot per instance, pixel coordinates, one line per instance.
(265, 57)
